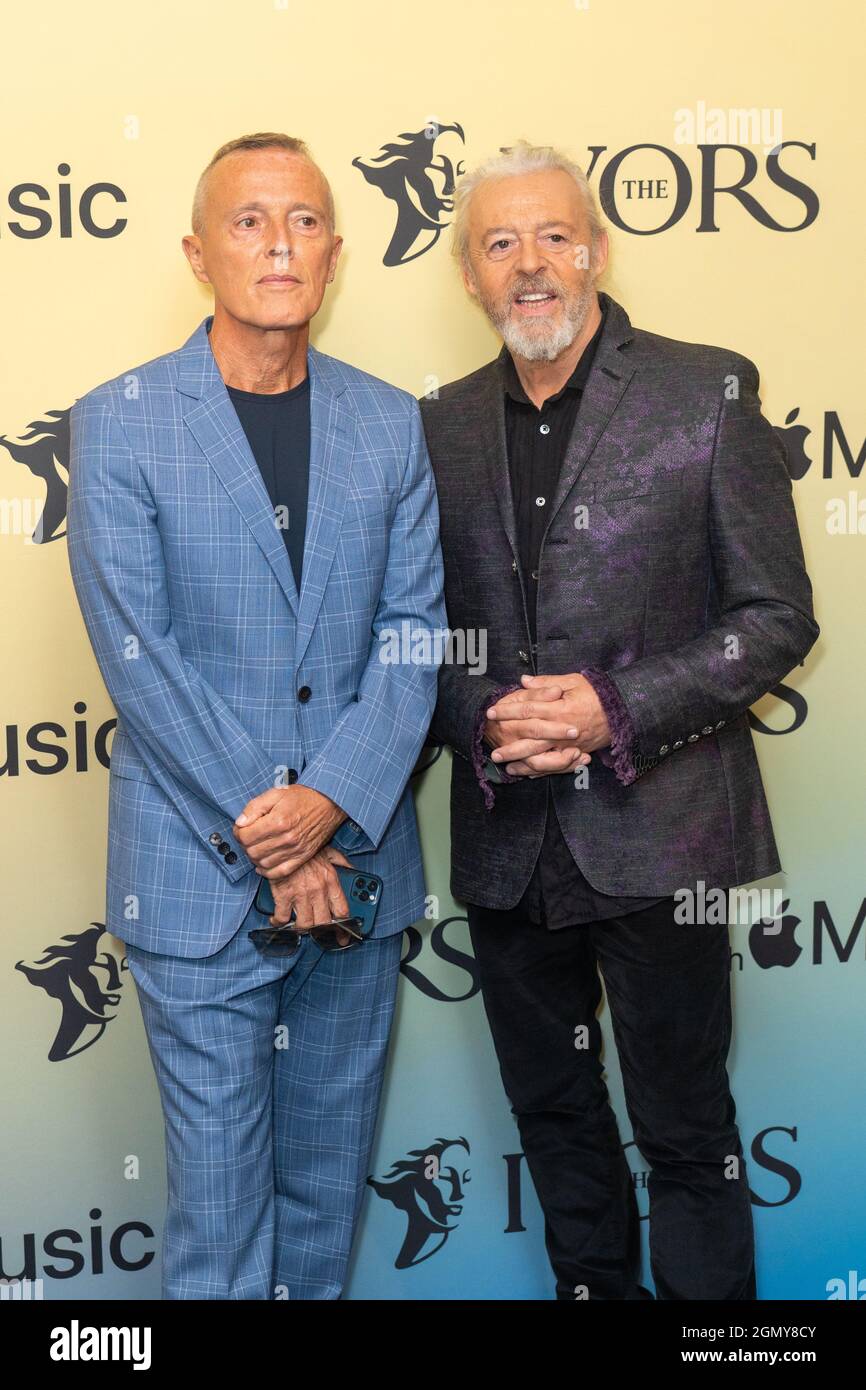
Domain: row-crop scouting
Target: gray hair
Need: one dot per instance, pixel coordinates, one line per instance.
(264, 140)
(521, 158)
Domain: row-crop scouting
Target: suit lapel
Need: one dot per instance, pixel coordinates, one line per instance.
(490, 403)
(608, 380)
(332, 441)
(607, 383)
(214, 423)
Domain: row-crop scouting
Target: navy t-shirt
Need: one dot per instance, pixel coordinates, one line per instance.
(277, 428)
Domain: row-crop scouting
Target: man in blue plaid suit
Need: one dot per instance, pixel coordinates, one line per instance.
(260, 730)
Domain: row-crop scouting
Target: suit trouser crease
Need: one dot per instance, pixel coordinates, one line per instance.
(270, 1074)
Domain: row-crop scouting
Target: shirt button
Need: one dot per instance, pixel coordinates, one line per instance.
(539, 501)
(535, 574)
(544, 429)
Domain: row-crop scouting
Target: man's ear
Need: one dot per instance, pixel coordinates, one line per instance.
(468, 279)
(193, 251)
(600, 253)
(335, 256)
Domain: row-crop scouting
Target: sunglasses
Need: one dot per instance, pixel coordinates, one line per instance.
(285, 940)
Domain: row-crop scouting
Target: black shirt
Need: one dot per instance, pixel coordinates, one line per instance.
(557, 895)
(277, 428)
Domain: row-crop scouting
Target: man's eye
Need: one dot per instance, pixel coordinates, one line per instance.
(308, 221)
(557, 236)
(248, 219)
(502, 245)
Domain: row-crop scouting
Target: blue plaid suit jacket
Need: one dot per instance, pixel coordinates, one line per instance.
(190, 603)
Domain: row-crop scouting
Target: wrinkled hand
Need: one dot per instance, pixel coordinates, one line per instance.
(285, 826)
(313, 892)
(550, 726)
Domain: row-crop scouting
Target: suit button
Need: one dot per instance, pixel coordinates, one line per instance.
(223, 846)
(513, 566)
(664, 749)
(524, 658)
(231, 857)
(707, 730)
(292, 775)
(215, 837)
(693, 738)
(679, 743)
(720, 723)
(304, 694)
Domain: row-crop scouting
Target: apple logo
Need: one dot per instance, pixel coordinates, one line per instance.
(793, 440)
(771, 940)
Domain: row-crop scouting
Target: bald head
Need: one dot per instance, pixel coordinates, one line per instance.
(251, 144)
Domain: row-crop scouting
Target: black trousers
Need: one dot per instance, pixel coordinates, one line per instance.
(668, 987)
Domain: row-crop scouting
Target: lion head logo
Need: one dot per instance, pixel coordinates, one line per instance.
(420, 176)
(85, 980)
(431, 1193)
(44, 449)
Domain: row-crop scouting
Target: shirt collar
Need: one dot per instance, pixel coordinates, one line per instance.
(576, 381)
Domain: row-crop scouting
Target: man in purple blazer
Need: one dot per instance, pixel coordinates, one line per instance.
(616, 516)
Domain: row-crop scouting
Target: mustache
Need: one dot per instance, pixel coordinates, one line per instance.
(533, 287)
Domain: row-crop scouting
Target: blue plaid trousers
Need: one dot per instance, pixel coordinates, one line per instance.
(270, 1074)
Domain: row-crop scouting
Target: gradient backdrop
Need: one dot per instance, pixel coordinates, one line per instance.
(725, 150)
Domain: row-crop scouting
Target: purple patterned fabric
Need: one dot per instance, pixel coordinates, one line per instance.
(622, 731)
(667, 478)
(479, 757)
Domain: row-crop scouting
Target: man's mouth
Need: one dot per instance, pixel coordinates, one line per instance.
(279, 280)
(535, 302)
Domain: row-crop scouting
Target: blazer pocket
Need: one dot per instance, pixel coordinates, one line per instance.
(664, 486)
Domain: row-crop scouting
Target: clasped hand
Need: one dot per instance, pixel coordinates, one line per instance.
(284, 831)
(551, 725)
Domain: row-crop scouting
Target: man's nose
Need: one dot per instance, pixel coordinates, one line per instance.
(529, 257)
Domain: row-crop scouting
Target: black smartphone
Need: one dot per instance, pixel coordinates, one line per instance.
(363, 894)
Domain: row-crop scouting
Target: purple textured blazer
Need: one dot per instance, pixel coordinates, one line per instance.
(671, 572)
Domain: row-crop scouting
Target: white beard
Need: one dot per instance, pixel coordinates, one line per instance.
(540, 342)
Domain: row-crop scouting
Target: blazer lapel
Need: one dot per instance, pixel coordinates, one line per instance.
(332, 443)
(608, 381)
(214, 423)
(490, 405)
(605, 387)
